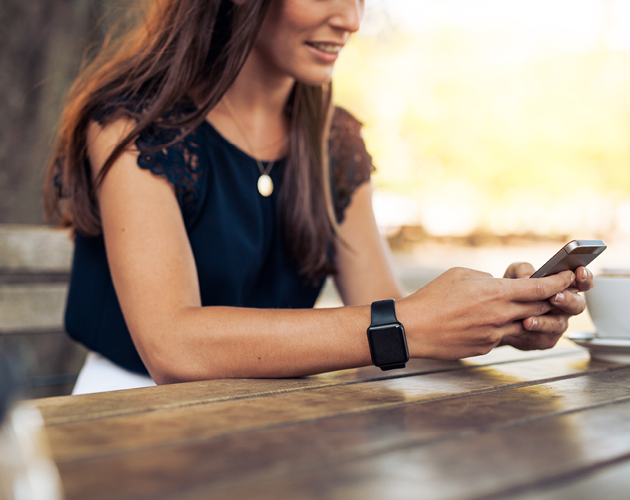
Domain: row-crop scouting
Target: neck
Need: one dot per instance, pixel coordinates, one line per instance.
(259, 92)
(259, 99)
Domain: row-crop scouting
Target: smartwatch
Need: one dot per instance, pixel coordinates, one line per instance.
(386, 336)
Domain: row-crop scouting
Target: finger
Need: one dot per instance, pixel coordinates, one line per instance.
(570, 302)
(519, 270)
(551, 324)
(511, 329)
(518, 343)
(526, 309)
(584, 279)
(539, 288)
(530, 341)
(517, 335)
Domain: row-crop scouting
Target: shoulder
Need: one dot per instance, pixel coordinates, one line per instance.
(170, 151)
(103, 138)
(350, 163)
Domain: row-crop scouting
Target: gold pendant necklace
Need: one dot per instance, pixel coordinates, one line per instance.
(265, 184)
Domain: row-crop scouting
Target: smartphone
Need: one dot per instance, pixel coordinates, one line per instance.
(576, 253)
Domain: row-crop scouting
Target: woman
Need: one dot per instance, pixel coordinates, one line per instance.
(212, 187)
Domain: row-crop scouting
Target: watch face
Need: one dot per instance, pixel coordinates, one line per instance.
(388, 344)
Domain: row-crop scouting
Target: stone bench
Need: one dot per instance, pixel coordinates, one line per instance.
(34, 271)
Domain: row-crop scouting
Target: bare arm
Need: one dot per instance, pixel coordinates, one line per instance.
(154, 274)
(460, 314)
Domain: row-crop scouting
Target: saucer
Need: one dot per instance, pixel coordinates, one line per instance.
(608, 350)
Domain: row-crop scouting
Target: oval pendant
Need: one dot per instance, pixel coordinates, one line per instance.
(265, 185)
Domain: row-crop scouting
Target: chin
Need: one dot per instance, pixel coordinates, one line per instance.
(314, 79)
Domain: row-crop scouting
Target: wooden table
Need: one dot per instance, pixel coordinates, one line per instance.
(538, 425)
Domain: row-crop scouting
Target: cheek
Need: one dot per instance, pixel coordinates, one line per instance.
(282, 46)
(298, 20)
(281, 33)
(282, 41)
(300, 14)
(279, 51)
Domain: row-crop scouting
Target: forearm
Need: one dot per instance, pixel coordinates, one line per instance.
(224, 342)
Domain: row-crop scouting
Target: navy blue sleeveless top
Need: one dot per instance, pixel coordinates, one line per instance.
(235, 234)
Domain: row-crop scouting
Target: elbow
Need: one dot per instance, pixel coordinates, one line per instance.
(170, 354)
(167, 364)
(164, 369)
(163, 374)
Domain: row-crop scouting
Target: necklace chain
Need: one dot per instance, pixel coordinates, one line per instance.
(265, 184)
(243, 131)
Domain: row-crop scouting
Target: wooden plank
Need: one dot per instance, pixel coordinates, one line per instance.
(88, 407)
(484, 464)
(75, 441)
(60, 411)
(611, 481)
(244, 464)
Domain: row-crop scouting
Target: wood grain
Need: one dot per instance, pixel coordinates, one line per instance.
(58, 411)
(610, 481)
(273, 455)
(74, 441)
(505, 424)
(492, 463)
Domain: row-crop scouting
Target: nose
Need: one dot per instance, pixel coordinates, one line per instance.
(348, 15)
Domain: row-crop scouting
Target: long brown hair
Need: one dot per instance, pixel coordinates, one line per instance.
(176, 48)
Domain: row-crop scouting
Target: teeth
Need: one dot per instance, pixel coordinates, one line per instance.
(328, 48)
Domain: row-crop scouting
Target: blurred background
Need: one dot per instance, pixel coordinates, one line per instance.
(499, 128)
(489, 121)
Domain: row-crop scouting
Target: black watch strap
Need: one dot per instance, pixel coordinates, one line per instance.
(383, 312)
(384, 322)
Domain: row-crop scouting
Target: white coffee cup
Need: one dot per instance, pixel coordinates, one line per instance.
(608, 303)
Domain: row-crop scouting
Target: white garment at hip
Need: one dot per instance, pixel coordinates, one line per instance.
(99, 374)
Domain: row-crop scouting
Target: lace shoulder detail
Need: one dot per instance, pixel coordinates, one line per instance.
(164, 149)
(350, 163)
(164, 152)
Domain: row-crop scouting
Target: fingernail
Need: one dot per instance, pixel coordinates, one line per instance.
(534, 323)
(559, 297)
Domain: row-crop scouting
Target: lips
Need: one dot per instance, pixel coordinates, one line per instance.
(326, 48)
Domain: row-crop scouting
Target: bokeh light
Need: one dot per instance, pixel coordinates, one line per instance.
(487, 116)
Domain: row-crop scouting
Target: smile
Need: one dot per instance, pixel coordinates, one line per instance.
(327, 48)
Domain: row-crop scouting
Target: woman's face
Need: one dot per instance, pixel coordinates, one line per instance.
(302, 38)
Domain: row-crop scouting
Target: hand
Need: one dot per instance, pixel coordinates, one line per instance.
(543, 332)
(466, 313)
